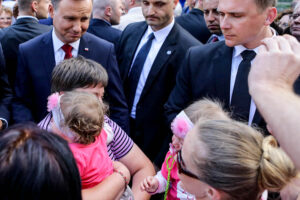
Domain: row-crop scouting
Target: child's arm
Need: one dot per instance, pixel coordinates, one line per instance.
(154, 184)
(111, 187)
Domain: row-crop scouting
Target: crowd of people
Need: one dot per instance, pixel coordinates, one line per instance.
(112, 99)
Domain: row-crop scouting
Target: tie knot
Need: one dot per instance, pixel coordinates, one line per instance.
(67, 48)
(248, 55)
(151, 37)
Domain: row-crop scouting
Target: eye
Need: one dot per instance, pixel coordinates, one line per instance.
(236, 15)
(146, 3)
(221, 14)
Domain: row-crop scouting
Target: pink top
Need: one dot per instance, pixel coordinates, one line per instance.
(174, 179)
(92, 160)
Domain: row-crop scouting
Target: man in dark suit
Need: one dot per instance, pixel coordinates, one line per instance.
(68, 39)
(25, 28)
(5, 94)
(150, 54)
(194, 23)
(105, 14)
(220, 70)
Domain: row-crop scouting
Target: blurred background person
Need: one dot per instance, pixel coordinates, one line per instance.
(295, 22)
(5, 17)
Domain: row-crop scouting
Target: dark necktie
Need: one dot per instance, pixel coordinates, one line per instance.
(68, 51)
(136, 69)
(241, 99)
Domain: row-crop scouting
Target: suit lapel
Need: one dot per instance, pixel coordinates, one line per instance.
(134, 41)
(84, 46)
(166, 51)
(48, 53)
(222, 71)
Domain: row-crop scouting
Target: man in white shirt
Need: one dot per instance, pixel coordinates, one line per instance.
(134, 14)
(149, 55)
(220, 70)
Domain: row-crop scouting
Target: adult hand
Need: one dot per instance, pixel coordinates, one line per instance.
(276, 64)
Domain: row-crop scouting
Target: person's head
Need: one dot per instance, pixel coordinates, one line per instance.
(5, 17)
(283, 18)
(70, 18)
(109, 10)
(295, 22)
(16, 10)
(203, 109)
(224, 159)
(82, 113)
(79, 74)
(191, 3)
(128, 4)
(211, 16)
(158, 13)
(36, 164)
(246, 22)
(37, 8)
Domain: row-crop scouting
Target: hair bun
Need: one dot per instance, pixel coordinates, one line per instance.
(276, 169)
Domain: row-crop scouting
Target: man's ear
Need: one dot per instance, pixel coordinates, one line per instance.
(34, 6)
(132, 2)
(108, 11)
(271, 15)
(51, 10)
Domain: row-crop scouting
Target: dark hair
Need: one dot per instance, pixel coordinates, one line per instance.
(56, 2)
(76, 73)
(25, 5)
(36, 164)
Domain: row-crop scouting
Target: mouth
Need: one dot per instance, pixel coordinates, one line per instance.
(228, 37)
(151, 18)
(213, 27)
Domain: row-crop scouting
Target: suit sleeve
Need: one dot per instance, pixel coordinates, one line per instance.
(115, 92)
(181, 95)
(5, 91)
(23, 101)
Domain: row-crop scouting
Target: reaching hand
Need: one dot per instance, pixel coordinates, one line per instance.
(150, 184)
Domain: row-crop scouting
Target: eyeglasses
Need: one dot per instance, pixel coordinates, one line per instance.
(182, 169)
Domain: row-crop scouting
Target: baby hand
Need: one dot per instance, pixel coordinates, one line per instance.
(150, 184)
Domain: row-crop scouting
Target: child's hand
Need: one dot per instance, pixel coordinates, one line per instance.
(118, 166)
(150, 184)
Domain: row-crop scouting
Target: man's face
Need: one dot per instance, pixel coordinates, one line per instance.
(211, 16)
(43, 7)
(71, 19)
(117, 9)
(295, 24)
(242, 22)
(158, 13)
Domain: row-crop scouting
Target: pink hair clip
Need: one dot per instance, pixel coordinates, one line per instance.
(181, 125)
(52, 101)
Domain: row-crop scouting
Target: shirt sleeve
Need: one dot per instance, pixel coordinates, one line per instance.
(121, 143)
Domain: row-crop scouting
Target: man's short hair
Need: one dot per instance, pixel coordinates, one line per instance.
(25, 5)
(76, 73)
(263, 4)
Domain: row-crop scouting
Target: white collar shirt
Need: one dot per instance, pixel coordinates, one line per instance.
(59, 53)
(236, 60)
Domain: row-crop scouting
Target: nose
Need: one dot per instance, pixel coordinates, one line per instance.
(76, 26)
(150, 10)
(210, 17)
(224, 22)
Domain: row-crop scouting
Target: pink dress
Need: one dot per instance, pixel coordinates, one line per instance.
(92, 160)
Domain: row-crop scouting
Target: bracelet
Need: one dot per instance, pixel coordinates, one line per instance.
(124, 177)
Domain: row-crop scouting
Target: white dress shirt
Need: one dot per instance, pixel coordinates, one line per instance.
(236, 60)
(157, 42)
(134, 14)
(59, 53)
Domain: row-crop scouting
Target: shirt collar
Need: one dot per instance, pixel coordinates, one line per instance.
(161, 34)
(240, 48)
(27, 16)
(57, 43)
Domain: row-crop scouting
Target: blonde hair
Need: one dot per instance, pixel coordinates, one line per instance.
(238, 160)
(206, 109)
(84, 114)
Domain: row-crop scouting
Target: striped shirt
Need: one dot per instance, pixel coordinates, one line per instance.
(117, 148)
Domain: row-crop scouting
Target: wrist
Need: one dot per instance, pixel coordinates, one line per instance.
(126, 181)
(155, 191)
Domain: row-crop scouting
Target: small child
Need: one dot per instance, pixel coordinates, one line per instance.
(167, 179)
(78, 117)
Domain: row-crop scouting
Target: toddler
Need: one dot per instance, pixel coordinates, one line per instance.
(166, 180)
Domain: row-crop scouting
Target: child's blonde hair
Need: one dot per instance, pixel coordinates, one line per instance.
(206, 109)
(84, 114)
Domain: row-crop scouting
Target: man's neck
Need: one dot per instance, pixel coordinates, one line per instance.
(23, 13)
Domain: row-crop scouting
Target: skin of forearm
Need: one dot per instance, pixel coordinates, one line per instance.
(280, 108)
(111, 188)
(136, 181)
